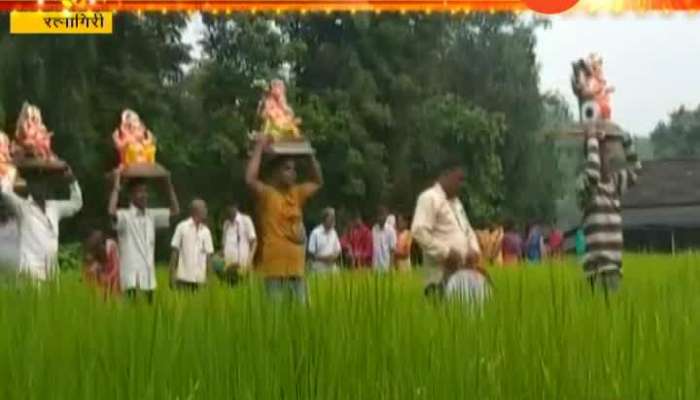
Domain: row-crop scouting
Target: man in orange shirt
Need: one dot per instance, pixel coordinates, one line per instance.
(280, 201)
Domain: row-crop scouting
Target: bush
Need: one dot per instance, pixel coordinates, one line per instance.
(70, 257)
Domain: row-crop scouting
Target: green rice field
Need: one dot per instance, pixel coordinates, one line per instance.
(542, 335)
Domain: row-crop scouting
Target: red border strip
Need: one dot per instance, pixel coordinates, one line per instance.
(220, 6)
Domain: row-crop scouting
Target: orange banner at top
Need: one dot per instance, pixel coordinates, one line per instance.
(302, 6)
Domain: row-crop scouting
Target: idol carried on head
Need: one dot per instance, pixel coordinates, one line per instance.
(8, 171)
(32, 135)
(280, 123)
(136, 146)
(591, 89)
(134, 142)
(277, 116)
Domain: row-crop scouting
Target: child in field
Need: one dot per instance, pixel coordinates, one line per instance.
(101, 262)
(600, 201)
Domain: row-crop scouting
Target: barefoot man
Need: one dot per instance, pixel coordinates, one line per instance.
(442, 229)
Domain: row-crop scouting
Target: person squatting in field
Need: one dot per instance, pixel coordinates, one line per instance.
(600, 201)
(442, 229)
(280, 201)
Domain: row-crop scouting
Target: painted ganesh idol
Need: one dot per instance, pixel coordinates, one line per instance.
(279, 122)
(134, 142)
(32, 135)
(277, 116)
(592, 89)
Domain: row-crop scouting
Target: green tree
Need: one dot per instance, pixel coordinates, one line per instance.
(82, 83)
(491, 61)
(680, 136)
(390, 109)
(383, 98)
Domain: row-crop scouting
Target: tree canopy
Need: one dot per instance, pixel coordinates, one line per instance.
(383, 98)
(680, 136)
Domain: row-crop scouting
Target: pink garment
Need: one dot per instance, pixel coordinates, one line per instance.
(105, 275)
(556, 241)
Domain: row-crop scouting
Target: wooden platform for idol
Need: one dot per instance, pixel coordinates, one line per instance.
(291, 148)
(143, 171)
(20, 183)
(32, 166)
(578, 131)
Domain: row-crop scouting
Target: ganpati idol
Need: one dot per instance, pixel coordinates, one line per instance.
(8, 171)
(31, 134)
(278, 117)
(589, 84)
(134, 142)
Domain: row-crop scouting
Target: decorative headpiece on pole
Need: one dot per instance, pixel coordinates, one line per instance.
(592, 90)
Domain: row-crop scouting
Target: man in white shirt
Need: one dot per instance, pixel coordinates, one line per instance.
(391, 221)
(383, 242)
(239, 240)
(442, 229)
(136, 228)
(192, 249)
(324, 244)
(9, 238)
(38, 222)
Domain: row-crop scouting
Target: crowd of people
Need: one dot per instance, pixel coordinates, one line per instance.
(277, 246)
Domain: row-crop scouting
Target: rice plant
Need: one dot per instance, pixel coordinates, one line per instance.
(543, 335)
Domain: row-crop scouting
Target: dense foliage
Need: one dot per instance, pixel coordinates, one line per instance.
(679, 136)
(382, 97)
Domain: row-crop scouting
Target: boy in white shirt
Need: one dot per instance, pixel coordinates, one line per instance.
(192, 249)
(136, 227)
